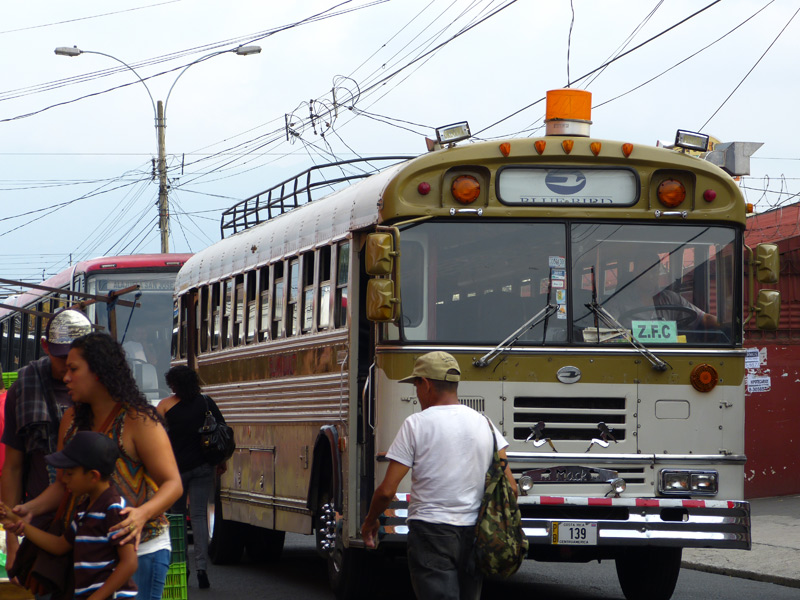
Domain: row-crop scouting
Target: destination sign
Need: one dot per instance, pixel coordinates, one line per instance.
(106, 285)
(556, 186)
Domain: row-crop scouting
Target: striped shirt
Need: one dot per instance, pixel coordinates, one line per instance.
(94, 551)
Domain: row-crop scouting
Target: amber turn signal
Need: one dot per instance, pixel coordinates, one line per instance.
(466, 189)
(671, 193)
(704, 378)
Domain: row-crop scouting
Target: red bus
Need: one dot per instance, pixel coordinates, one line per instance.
(145, 330)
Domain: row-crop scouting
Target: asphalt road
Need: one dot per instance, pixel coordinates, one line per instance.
(301, 575)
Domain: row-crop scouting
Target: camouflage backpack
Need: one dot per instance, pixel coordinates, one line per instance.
(500, 543)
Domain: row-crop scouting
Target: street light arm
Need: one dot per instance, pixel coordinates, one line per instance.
(240, 50)
(75, 51)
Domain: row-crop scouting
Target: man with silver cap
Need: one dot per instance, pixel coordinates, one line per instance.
(34, 405)
(448, 448)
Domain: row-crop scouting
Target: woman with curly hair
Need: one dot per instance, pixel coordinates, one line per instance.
(185, 412)
(106, 399)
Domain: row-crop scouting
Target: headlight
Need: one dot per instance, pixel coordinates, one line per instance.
(525, 483)
(704, 483)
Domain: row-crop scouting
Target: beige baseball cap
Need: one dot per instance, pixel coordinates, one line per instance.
(66, 326)
(435, 365)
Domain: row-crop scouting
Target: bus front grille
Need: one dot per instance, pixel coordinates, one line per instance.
(570, 419)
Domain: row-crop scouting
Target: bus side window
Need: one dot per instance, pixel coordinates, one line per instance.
(264, 290)
(203, 321)
(216, 316)
(308, 292)
(342, 276)
(16, 333)
(292, 316)
(277, 303)
(30, 338)
(250, 335)
(238, 311)
(324, 304)
(227, 313)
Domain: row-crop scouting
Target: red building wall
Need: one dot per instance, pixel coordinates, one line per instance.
(772, 417)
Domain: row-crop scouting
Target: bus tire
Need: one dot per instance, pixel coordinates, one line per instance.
(349, 570)
(349, 575)
(225, 538)
(648, 573)
(263, 545)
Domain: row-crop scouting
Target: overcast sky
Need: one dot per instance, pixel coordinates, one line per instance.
(76, 171)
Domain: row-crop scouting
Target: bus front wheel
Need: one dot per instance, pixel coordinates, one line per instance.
(648, 573)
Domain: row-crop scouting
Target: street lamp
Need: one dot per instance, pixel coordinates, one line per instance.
(160, 113)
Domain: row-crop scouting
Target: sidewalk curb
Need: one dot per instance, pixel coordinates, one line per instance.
(741, 573)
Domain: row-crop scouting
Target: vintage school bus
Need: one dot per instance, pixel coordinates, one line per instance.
(592, 292)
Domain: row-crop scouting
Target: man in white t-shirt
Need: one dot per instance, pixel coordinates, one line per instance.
(448, 447)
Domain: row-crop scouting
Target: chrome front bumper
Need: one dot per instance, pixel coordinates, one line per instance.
(620, 521)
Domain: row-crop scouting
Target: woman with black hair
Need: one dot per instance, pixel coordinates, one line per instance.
(108, 401)
(184, 412)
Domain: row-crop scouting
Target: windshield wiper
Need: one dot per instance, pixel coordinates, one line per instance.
(612, 323)
(544, 314)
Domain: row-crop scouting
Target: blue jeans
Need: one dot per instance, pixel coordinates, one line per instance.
(441, 561)
(151, 575)
(198, 486)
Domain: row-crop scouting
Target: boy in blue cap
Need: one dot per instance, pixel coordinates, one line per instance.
(103, 568)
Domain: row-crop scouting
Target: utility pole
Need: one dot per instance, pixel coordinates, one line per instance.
(159, 110)
(163, 203)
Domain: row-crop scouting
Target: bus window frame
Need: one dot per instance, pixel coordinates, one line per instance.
(325, 309)
(265, 293)
(250, 303)
(279, 292)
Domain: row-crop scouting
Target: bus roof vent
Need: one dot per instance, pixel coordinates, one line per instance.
(569, 112)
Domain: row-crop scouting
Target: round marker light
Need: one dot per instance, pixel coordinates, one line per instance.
(424, 188)
(618, 485)
(671, 193)
(704, 378)
(709, 195)
(465, 189)
(525, 483)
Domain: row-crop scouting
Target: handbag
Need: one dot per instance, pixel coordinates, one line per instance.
(216, 438)
(500, 542)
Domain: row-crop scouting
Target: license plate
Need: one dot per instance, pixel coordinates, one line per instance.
(574, 533)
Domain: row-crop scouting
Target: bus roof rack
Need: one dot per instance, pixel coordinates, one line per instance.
(309, 185)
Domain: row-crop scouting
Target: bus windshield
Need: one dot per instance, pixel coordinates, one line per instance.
(478, 283)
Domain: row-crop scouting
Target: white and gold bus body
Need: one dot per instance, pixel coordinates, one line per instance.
(315, 408)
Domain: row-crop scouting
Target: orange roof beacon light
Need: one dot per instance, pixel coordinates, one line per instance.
(465, 189)
(569, 112)
(671, 193)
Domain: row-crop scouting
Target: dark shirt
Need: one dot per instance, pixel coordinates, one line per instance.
(95, 553)
(184, 420)
(36, 474)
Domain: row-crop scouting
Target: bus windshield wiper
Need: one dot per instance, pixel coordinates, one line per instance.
(612, 323)
(544, 314)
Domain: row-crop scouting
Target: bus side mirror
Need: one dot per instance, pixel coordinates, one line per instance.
(767, 263)
(380, 254)
(768, 309)
(381, 300)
